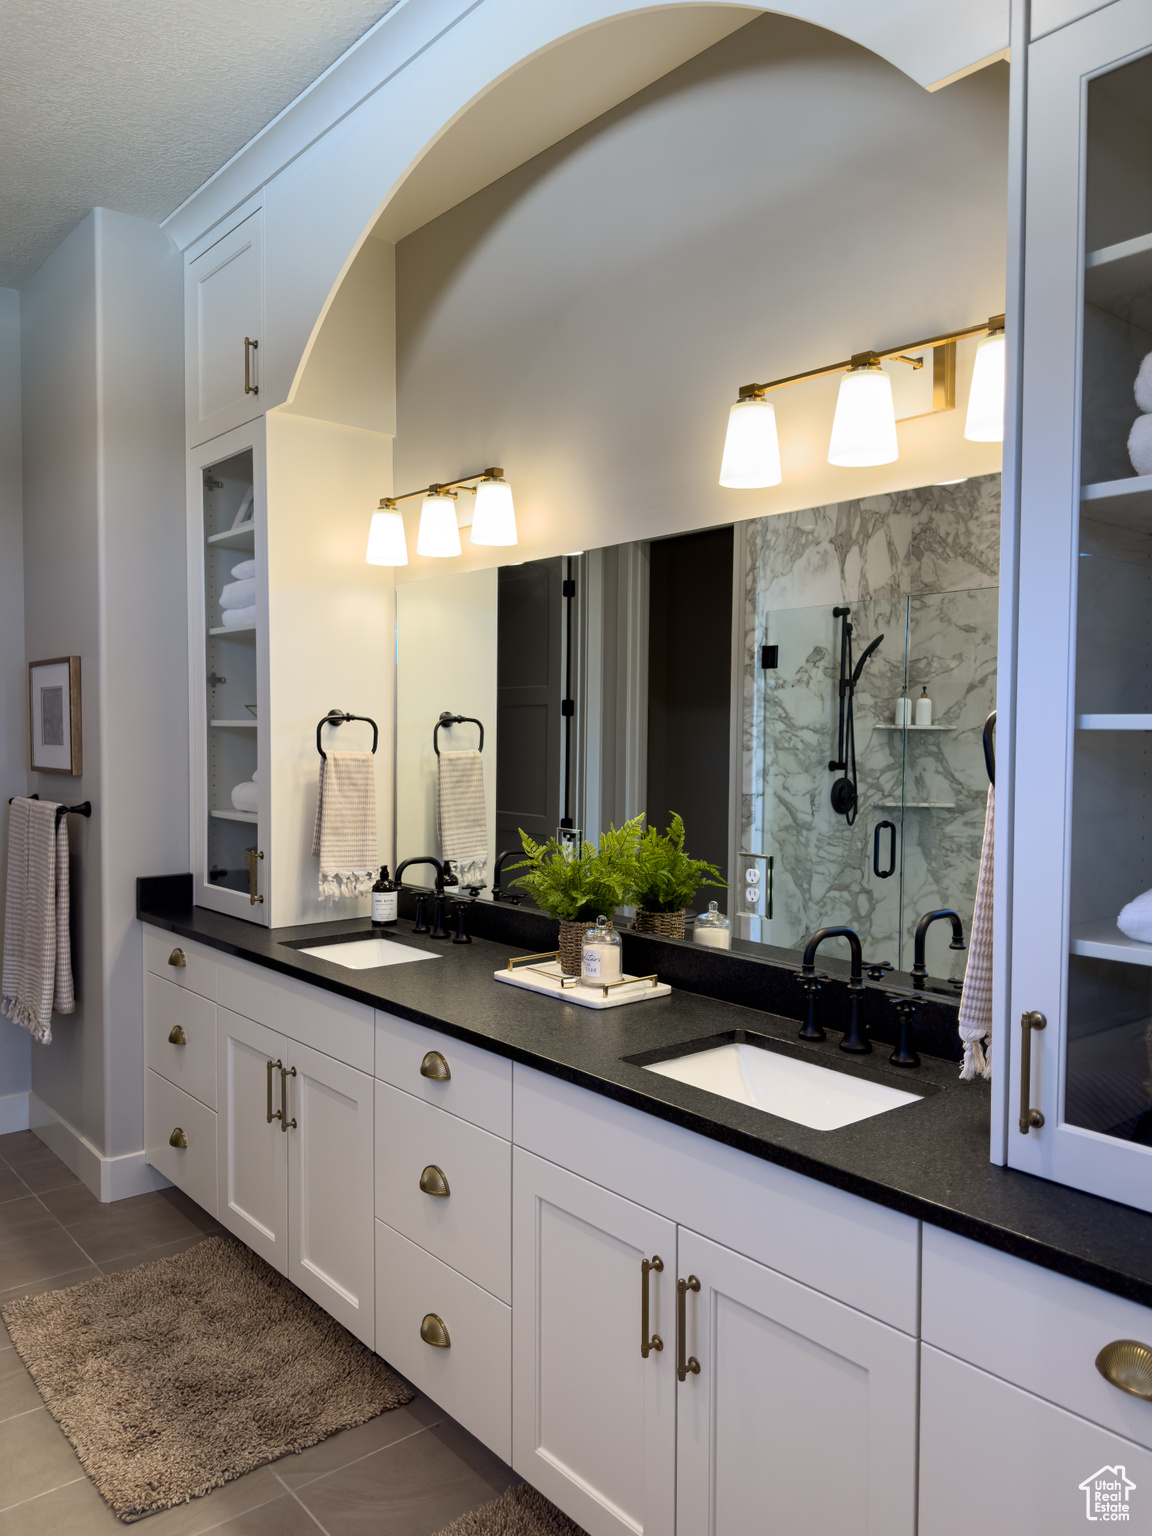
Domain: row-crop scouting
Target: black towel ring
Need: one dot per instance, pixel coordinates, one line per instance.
(448, 718)
(990, 746)
(341, 717)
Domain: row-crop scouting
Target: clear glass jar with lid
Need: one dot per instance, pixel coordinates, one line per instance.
(712, 928)
(600, 956)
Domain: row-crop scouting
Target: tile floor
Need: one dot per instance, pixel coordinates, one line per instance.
(407, 1473)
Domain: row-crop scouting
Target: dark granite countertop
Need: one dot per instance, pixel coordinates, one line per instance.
(928, 1159)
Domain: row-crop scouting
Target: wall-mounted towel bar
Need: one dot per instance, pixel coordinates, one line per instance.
(448, 718)
(341, 717)
(83, 809)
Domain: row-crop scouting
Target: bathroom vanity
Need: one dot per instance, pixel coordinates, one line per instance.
(834, 1316)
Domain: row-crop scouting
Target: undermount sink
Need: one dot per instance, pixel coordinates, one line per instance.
(367, 954)
(801, 1091)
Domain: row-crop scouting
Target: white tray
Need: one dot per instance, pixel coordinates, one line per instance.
(546, 976)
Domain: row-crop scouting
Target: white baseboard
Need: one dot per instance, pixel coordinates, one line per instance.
(13, 1112)
(109, 1178)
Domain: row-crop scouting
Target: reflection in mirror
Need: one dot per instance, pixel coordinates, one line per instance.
(704, 674)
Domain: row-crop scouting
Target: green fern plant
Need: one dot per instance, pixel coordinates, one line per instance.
(585, 885)
(666, 878)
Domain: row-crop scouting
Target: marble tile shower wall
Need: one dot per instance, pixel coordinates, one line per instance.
(921, 568)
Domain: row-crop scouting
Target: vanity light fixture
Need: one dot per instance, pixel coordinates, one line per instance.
(386, 542)
(493, 519)
(439, 535)
(864, 426)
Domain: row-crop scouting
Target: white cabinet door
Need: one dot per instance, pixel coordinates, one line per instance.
(224, 324)
(802, 1415)
(593, 1420)
(994, 1458)
(252, 1156)
(330, 1219)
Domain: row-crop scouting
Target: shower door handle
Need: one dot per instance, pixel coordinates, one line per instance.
(883, 874)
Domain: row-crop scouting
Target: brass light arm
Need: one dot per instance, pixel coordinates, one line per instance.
(447, 488)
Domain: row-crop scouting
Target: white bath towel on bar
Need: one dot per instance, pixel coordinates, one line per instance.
(976, 1002)
(239, 594)
(461, 817)
(239, 618)
(344, 837)
(37, 975)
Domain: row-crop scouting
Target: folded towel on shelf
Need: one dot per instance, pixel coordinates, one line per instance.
(237, 618)
(344, 836)
(239, 594)
(462, 820)
(1140, 445)
(976, 1001)
(37, 975)
(245, 571)
(244, 796)
(1135, 920)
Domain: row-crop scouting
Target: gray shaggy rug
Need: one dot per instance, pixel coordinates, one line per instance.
(521, 1511)
(175, 1377)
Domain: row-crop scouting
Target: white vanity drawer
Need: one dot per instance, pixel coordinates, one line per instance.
(479, 1087)
(472, 1378)
(471, 1227)
(329, 1023)
(192, 1168)
(161, 956)
(180, 1037)
(1030, 1326)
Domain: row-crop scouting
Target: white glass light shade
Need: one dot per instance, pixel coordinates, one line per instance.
(751, 449)
(985, 423)
(494, 516)
(438, 534)
(864, 427)
(386, 543)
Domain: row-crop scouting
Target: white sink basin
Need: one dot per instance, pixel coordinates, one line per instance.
(367, 954)
(781, 1085)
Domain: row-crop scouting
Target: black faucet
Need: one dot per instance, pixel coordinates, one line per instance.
(497, 893)
(442, 871)
(919, 969)
(444, 876)
(855, 1039)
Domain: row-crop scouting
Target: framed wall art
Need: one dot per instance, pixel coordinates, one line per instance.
(54, 734)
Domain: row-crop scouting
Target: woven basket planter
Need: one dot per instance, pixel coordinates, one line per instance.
(571, 946)
(669, 925)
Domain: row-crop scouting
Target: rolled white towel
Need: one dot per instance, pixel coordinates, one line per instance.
(244, 571)
(239, 594)
(1140, 445)
(1135, 920)
(244, 795)
(1143, 389)
(238, 618)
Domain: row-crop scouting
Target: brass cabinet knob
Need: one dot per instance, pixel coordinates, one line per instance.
(177, 958)
(177, 1138)
(434, 1332)
(433, 1182)
(435, 1067)
(176, 1035)
(1127, 1364)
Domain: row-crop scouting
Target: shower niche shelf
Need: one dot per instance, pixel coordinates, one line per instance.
(892, 726)
(916, 805)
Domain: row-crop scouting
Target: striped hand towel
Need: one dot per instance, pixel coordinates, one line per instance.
(37, 975)
(462, 821)
(976, 1001)
(344, 837)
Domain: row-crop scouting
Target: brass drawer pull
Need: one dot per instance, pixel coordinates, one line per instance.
(1127, 1364)
(433, 1182)
(177, 958)
(177, 1138)
(249, 347)
(655, 1342)
(285, 1074)
(1029, 1117)
(691, 1365)
(176, 1035)
(433, 1331)
(273, 1114)
(435, 1067)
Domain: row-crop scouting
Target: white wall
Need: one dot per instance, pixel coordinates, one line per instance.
(15, 1044)
(778, 202)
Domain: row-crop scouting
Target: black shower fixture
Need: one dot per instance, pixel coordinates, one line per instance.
(844, 794)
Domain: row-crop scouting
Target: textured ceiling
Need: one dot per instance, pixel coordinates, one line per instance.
(132, 104)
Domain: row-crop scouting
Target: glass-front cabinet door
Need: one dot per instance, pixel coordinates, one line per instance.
(1080, 1020)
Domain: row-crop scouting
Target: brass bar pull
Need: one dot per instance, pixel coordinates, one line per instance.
(176, 1035)
(249, 347)
(434, 1331)
(653, 1342)
(433, 1182)
(273, 1114)
(691, 1365)
(252, 858)
(177, 958)
(1029, 1117)
(1127, 1364)
(285, 1074)
(177, 1138)
(435, 1067)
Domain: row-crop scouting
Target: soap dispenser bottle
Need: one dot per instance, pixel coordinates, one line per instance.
(924, 709)
(385, 900)
(904, 710)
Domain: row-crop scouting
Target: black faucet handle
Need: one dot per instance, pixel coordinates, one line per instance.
(459, 912)
(421, 925)
(812, 985)
(438, 930)
(905, 1054)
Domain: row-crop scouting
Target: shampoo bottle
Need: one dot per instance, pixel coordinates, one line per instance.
(924, 709)
(384, 900)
